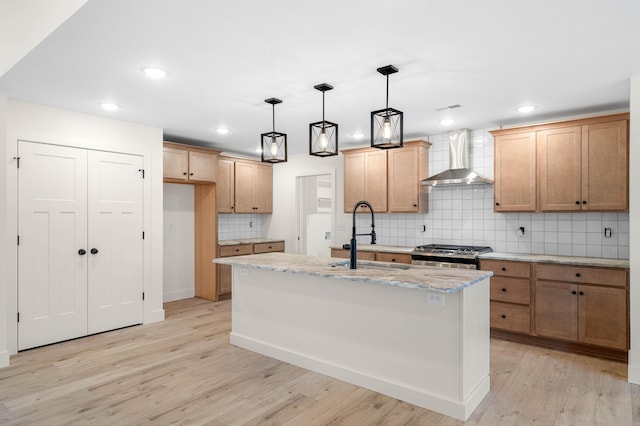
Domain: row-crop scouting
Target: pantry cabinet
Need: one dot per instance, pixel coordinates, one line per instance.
(182, 163)
(244, 186)
(388, 179)
(578, 165)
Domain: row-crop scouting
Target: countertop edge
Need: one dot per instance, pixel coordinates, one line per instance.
(564, 260)
(335, 274)
(244, 241)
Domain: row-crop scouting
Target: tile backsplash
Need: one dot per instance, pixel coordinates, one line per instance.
(464, 215)
(237, 226)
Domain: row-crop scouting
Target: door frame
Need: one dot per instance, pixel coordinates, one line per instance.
(298, 203)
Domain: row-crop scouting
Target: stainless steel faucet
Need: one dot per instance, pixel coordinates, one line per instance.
(352, 253)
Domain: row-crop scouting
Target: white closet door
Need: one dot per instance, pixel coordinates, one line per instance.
(52, 274)
(115, 248)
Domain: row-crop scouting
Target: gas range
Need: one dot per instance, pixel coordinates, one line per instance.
(449, 256)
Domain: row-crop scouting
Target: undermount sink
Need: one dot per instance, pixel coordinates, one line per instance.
(369, 265)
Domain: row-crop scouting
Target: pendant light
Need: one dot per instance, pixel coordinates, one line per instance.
(323, 135)
(274, 144)
(386, 124)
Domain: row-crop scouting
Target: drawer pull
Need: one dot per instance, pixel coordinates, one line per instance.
(504, 269)
(237, 249)
(393, 259)
(578, 275)
(504, 289)
(503, 316)
(270, 247)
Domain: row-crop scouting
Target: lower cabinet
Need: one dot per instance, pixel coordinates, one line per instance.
(584, 305)
(378, 256)
(510, 295)
(224, 271)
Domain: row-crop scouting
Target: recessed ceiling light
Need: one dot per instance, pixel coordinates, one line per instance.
(222, 130)
(526, 108)
(154, 72)
(358, 135)
(447, 122)
(109, 106)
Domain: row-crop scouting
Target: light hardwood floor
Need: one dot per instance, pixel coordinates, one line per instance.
(183, 371)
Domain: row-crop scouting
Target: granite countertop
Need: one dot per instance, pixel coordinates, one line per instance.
(248, 241)
(565, 260)
(379, 247)
(443, 280)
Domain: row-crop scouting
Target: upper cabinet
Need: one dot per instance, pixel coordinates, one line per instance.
(188, 164)
(244, 186)
(582, 165)
(515, 172)
(388, 179)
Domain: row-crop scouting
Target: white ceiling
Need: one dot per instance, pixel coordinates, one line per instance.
(224, 58)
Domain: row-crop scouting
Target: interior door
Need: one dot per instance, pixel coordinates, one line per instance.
(52, 228)
(115, 248)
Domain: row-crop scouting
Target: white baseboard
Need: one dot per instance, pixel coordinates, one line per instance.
(154, 316)
(458, 409)
(184, 293)
(634, 374)
(4, 359)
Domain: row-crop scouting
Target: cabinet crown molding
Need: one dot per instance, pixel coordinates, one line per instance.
(560, 124)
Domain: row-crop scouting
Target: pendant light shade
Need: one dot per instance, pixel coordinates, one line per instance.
(274, 144)
(386, 124)
(323, 135)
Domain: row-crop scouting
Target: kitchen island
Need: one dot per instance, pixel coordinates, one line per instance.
(415, 333)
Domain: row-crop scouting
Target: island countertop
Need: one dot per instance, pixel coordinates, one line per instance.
(443, 280)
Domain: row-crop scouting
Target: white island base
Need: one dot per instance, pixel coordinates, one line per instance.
(384, 338)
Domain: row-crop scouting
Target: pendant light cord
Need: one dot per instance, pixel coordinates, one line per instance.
(273, 118)
(387, 91)
(323, 125)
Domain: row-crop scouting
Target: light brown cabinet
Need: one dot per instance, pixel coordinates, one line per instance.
(584, 167)
(585, 305)
(510, 295)
(365, 178)
(183, 163)
(224, 271)
(379, 256)
(515, 172)
(388, 179)
(244, 186)
(578, 165)
(225, 191)
(406, 167)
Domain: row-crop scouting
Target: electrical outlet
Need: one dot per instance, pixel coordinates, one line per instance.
(435, 298)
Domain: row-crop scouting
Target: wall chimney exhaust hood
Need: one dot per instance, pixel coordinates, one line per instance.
(459, 172)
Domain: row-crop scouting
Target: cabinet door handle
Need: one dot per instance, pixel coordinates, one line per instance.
(497, 204)
(584, 202)
(504, 289)
(190, 174)
(82, 252)
(94, 251)
(581, 293)
(185, 173)
(415, 205)
(503, 316)
(577, 202)
(574, 292)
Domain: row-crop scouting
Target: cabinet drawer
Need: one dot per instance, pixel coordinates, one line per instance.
(268, 247)
(506, 268)
(360, 255)
(582, 274)
(393, 257)
(514, 290)
(237, 250)
(510, 317)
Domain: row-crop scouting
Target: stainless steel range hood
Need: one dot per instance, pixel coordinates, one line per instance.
(459, 172)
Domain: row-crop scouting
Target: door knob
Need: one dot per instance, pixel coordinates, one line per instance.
(94, 251)
(82, 252)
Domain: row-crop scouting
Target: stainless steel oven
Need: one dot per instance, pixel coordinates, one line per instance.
(448, 256)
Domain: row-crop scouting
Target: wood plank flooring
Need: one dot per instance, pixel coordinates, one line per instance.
(184, 371)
